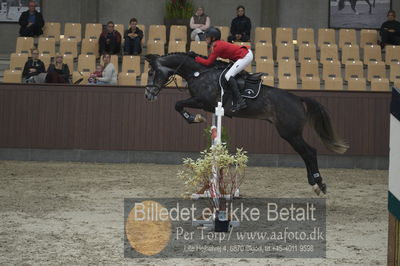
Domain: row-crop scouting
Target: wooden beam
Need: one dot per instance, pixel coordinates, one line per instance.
(393, 241)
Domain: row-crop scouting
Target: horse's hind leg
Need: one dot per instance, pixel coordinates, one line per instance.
(309, 156)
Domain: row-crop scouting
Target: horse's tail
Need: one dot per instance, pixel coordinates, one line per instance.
(319, 119)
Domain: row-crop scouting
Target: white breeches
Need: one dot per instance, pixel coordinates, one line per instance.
(239, 65)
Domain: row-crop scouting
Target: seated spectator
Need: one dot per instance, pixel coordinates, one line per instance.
(199, 23)
(31, 22)
(133, 38)
(58, 72)
(97, 74)
(240, 27)
(390, 30)
(33, 67)
(109, 75)
(110, 40)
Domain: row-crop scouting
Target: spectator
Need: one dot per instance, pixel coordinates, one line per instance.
(240, 27)
(109, 76)
(31, 21)
(110, 40)
(58, 72)
(133, 38)
(97, 74)
(33, 67)
(390, 30)
(199, 23)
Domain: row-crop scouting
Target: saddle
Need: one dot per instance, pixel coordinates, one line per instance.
(249, 84)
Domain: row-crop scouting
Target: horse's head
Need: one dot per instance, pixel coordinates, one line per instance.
(157, 77)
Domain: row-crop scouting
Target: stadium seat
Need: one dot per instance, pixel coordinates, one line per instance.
(392, 54)
(265, 66)
(350, 53)
(357, 84)
(73, 31)
(326, 36)
(331, 69)
(143, 79)
(155, 47)
(52, 30)
(368, 37)
(287, 74)
(114, 61)
(305, 36)
(46, 59)
(127, 79)
(285, 51)
(90, 47)
(224, 32)
(47, 46)
(307, 52)
(178, 33)
(268, 80)
(309, 75)
(69, 47)
(121, 29)
(86, 63)
(93, 30)
(397, 83)
(17, 61)
(395, 72)
(176, 46)
(353, 69)
(179, 82)
(131, 64)
(347, 37)
(263, 35)
(146, 67)
(24, 45)
(12, 76)
(372, 53)
(380, 84)
(199, 47)
(329, 52)
(69, 60)
(263, 51)
(311, 83)
(284, 36)
(157, 33)
(333, 83)
(376, 70)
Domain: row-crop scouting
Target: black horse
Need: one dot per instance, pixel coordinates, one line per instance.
(353, 5)
(286, 111)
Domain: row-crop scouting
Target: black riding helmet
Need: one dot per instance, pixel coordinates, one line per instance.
(213, 33)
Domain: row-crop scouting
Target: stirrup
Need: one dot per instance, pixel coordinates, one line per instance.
(241, 104)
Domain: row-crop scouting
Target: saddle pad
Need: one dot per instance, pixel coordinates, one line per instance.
(251, 89)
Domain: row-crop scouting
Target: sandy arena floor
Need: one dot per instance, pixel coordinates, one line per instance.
(72, 213)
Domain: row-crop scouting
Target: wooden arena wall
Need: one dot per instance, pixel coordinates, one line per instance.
(119, 118)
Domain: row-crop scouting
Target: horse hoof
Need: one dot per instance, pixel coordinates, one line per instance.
(322, 186)
(316, 189)
(199, 118)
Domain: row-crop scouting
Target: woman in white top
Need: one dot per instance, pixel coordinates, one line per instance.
(109, 74)
(199, 23)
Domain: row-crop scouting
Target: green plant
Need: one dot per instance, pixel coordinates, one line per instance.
(182, 9)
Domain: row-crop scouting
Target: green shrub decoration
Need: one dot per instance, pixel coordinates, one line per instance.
(181, 9)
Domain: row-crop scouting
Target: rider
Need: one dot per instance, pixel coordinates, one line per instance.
(241, 54)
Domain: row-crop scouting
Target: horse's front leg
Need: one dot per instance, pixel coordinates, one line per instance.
(194, 102)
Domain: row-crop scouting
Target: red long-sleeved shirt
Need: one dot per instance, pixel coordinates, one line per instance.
(224, 50)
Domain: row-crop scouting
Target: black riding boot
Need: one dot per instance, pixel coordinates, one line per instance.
(238, 101)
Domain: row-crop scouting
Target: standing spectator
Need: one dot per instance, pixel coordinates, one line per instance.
(109, 75)
(390, 30)
(58, 72)
(199, 23)
(133, 38)
(240, 27)
(31, 21)
(33, 67)
(110, 40)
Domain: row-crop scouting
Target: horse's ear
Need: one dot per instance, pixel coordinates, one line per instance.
(150, 57)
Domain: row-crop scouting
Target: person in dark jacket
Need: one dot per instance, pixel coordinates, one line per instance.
(31, 21)
(390, 30)
(33, 66)
(133, 38)
(58, 72)
(240, 27)
(110, 40)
